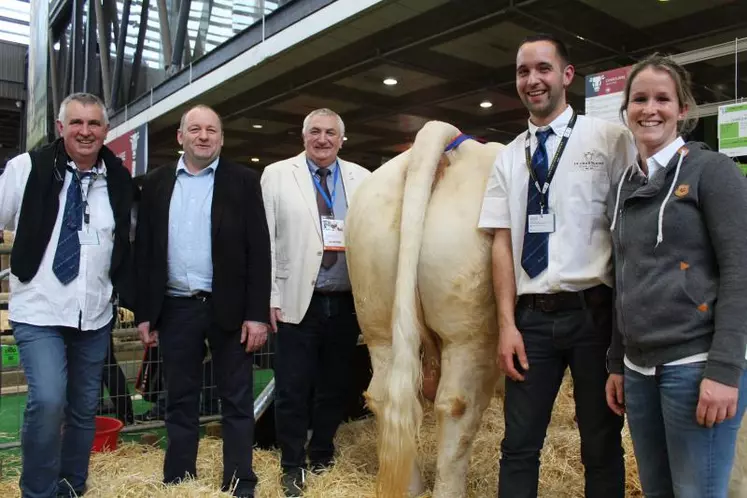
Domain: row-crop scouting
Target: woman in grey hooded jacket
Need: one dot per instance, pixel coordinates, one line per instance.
(677, 361)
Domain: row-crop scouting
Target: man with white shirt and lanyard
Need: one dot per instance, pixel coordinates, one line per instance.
(552, 272)
(312, 311)
(69, 203)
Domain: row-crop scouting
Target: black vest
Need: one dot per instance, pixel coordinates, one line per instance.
(41, 202)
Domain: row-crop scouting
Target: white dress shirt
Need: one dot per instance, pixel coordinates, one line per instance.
(580, 248)
(44, 300)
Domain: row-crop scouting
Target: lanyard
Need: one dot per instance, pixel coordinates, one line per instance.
(553, 166)
(85, 193)
(329, 201)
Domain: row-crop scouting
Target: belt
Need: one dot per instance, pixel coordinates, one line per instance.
(198, 296)
(564, 301)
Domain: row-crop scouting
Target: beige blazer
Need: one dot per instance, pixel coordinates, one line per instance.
(295, 230)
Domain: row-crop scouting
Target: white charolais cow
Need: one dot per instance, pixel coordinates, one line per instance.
(421, 276)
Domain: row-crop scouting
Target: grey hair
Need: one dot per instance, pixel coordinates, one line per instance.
(323, 112)
(85, 99)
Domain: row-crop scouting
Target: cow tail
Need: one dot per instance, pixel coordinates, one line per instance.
(402, 412)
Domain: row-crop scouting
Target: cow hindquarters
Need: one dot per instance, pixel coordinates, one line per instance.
(466, 387)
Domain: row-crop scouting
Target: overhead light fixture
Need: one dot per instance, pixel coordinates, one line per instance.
(257, 126)
(255, 159)
(344, 139)
(180, 152)
(390, 81)
(486, 104)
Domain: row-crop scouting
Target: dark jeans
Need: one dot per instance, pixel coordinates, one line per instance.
(578, 339)
(183, 327)
(677, 457)
(313, 376)
(63, 368)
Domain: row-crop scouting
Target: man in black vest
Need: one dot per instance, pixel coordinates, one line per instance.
(69, 203)
(203, 272)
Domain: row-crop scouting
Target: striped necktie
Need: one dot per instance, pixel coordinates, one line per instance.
(66, 261)
(534, 255)
(330, 257)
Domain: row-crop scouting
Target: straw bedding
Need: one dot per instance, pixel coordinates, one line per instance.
(135, 470)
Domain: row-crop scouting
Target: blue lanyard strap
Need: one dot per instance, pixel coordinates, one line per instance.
(329, 201)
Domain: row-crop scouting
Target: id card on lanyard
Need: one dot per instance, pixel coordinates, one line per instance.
(86, 235)
(544, 222)
(333, 229)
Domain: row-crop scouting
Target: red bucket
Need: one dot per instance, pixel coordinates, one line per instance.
(107, 434)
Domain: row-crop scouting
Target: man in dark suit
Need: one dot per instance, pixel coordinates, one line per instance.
(203, 271)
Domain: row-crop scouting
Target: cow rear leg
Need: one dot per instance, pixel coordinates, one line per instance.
(467, 383)
(381, 361)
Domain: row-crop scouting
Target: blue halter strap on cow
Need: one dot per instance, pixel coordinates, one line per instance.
(458, 140)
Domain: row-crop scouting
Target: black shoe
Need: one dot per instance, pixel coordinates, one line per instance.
(320, 467)
(150, 416)
(243, 490)
(293, 481)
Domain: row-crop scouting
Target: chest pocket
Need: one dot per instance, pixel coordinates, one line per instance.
(589, 189)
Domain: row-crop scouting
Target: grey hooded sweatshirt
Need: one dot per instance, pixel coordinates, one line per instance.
(680, 257)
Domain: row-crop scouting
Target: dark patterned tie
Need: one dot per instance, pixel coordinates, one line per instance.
(330, 257)
(66, 262)
(534, 254)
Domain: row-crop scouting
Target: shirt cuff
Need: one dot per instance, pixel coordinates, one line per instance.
(494, 214)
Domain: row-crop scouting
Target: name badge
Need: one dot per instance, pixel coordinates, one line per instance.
(88, 237)
(542, 223)
(333, 233)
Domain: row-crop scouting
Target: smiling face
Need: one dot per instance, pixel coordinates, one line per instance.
(322, 139)
(83, 132)
(653, 110)
(201, 137)
(541, 79)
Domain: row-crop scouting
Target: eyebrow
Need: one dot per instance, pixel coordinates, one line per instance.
(79, 120)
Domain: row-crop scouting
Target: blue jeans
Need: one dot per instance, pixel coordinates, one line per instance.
(676, 456)
(63, 368)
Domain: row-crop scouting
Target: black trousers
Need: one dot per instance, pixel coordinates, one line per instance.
(185, 324)
(313, 378)
(575, 338)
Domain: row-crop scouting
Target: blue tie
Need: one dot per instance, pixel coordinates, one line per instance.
(67, 257)
(534, 254)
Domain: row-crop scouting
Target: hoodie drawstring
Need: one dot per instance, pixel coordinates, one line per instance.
(660, 235)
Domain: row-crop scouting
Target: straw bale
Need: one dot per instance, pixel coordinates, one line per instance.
(136, 470)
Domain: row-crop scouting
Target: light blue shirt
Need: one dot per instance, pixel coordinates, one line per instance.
(335, 278)
(190, 260)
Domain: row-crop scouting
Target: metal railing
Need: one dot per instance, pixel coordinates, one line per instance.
(126, 364)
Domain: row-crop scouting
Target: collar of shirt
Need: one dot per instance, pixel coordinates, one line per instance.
(181, 166)
(558, 125)
(314, 168)
(99, 169)
(661, 159)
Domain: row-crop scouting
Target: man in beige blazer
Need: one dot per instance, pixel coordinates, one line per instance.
(312, 311)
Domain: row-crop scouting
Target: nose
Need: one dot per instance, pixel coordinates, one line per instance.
(532, 78)
(203, 135)
(649, 107)
(85, 129)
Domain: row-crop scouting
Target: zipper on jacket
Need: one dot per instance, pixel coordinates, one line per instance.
(621, 286)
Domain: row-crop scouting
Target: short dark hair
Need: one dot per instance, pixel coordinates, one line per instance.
(560, 47)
